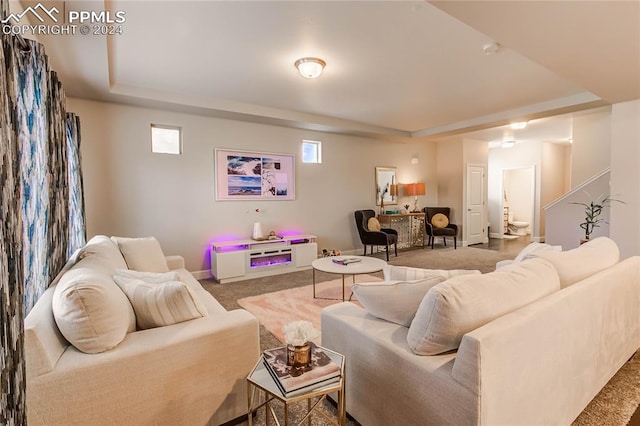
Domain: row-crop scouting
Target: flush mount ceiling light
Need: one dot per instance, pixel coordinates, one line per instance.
(310, 67)
(508, 144)
(491, 48)
(519, 125)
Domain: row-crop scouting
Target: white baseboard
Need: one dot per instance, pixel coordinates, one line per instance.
(201, 275)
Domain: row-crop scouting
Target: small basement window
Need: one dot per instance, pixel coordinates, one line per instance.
(311, 152)
(166, 139)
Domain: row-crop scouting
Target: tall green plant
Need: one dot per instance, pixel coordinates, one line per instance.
(592, 211)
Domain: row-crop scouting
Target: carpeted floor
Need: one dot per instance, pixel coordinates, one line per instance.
(278, 308)
(613, 406)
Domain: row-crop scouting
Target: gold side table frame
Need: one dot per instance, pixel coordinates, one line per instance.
(262, 390)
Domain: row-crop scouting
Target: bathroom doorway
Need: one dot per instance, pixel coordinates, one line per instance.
(518, 201)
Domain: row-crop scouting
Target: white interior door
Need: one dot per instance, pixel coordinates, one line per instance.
(475, 204)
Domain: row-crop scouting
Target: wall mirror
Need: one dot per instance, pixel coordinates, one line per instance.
(386, 180)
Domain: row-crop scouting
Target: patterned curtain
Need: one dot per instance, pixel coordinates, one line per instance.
(77, 227)
(12, 385)
(41, 199)
(32, 121)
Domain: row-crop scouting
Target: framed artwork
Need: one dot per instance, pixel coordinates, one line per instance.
(386, 185)
(248, 175)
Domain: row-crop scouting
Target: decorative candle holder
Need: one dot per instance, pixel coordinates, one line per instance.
(299, 358)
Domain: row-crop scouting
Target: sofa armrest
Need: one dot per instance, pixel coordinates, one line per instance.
(43, 342)
(558, 351)
(192, 372)
(175, 262)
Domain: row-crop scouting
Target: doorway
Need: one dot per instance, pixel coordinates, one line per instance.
(518, 201)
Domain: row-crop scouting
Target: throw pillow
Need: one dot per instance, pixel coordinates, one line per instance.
(373, 224)
(406, 273)
(150, 277)
(91, 312)
(394, 301)
(584, 261)
(142, 254)
(439, 220)
(459, 305)
(530, 250)
(157, 305)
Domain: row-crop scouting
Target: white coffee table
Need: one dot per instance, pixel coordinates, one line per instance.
(367, 265)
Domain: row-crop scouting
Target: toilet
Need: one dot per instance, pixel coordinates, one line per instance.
(516, 227)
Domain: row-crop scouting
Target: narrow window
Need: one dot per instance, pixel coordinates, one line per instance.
(166, 139)
(311, 152)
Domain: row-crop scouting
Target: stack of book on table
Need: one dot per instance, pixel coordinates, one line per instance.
(346, 260)
(323, 370)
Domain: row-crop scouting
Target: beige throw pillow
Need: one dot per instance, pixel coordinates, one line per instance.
(407, 273)
(439, 220)
(459, 305)
(373, 224)
(150, 277)
(157, 305)
(142, 254)
(394, 301)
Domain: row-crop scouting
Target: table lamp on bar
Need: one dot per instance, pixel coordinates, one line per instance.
(393, 190)
(416, 189)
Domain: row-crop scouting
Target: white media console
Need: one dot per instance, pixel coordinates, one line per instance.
(244, 259)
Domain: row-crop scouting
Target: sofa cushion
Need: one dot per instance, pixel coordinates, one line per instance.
(407, 273)
(466, 302)
(160, 304)
(579, 263)
(105, 253)
(142, 254)
(394, 301)
(90, 310)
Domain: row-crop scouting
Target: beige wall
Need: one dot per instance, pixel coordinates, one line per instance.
(591, 148)
(553, 182)
(450, 178)
(625, 177)
(131, 192)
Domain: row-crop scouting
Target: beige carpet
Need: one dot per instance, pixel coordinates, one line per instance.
(280, 307)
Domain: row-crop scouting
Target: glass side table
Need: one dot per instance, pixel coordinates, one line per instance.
(262, 390)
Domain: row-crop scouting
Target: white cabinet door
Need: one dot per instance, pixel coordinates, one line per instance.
(305, 254)
(228, 265)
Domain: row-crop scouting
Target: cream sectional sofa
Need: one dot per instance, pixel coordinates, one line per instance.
(188, 373)
(540, 363)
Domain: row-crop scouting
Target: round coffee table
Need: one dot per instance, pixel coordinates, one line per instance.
(364, 265)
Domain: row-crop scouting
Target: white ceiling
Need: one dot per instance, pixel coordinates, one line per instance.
(400, 70)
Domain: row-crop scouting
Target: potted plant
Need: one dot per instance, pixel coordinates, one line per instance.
(592, 211)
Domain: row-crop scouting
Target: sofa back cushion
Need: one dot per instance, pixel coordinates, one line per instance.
(91, 311)
(466, 302)
(584, 261)
(104, 252)
(142, 254)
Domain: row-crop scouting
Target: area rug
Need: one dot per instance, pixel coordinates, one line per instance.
(280, 307)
